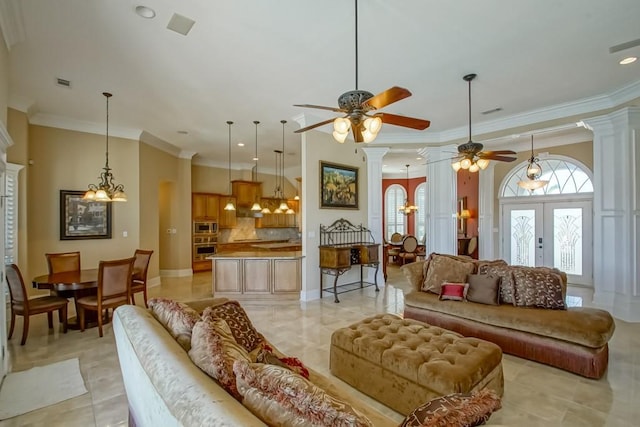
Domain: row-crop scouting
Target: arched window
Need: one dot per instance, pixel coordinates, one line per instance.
(395, 221)
(565, 176)
(421, 215)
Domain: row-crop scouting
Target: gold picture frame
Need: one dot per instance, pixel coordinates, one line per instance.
(338, 186)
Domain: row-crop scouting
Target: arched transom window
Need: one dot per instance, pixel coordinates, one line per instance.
(564, 175)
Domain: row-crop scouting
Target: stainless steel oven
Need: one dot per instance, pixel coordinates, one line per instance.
(202, 250)
(205, 227)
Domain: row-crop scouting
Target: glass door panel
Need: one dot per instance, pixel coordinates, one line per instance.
(523, 225)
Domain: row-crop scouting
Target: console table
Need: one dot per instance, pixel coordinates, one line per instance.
(343, 245)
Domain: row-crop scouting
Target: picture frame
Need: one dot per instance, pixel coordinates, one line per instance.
(81, 219)
(338, 186)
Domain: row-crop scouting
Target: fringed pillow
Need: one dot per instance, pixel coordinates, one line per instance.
(239, 323)
(460, 410)
(177, 317)
(280, 397)
(266, 355)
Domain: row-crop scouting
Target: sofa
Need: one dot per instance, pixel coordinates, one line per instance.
(521, 309)
(164, 386)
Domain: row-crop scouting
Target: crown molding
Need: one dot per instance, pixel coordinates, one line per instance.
(160, 144)
(53, 121)
(12, 22)
(5, 138)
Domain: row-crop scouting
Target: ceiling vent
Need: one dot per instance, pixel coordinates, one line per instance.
(180, 24)
(63, 82)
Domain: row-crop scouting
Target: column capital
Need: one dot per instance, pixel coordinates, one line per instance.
(375, 153)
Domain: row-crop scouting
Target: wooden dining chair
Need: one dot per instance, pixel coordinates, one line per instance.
(21, 305)
(63, 262)
(114, 289)
(394, 247)
(139, 276)
(409, 248)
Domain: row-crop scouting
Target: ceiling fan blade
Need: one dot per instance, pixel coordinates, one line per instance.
(498, 158)
(314, 126)
(408, 122)
(451, 159)
(387, 97)
(357, 133)
(337, 110)
(497, 152)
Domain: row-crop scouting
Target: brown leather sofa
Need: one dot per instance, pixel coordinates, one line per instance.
(574, 339)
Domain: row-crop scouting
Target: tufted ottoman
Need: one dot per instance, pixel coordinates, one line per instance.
(404, 363)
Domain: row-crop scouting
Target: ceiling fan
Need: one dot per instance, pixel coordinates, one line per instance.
(470, 155)
(359, 109)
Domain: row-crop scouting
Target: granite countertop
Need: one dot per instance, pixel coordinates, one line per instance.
(258, 254)
(277, 245)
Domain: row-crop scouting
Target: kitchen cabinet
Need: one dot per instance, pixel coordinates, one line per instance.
(246, 192)
(226, 219)
(257, 275)
(205, 206)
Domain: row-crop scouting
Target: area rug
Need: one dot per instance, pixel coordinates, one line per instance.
(26, 391)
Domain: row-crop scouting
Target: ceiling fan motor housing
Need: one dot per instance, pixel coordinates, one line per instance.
(354, 99)
(470, 148)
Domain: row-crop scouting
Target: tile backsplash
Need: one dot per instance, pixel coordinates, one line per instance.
(245, 229)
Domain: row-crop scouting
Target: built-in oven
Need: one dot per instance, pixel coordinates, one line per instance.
(205, 227)
(202, 250)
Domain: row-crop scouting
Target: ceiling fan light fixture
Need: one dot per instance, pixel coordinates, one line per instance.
(456, 166)
(342, 125)
(483, 163)
(465, 163)
(474, 168)
(368, 136)
(340, 137)
(373, 124)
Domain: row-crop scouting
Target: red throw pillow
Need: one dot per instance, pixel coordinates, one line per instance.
(454, 291)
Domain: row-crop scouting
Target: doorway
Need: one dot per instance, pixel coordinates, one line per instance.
(552, 234)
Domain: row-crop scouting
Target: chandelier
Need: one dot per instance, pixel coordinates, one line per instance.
(229, 206)
(533, 172)
(407, 209)
(106, 190)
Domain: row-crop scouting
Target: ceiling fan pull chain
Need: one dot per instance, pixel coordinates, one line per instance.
(356, 1)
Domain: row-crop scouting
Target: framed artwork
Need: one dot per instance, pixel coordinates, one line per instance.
(338, 186)
(80, 219)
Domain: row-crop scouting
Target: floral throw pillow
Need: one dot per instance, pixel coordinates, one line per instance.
(535, 287)
(213, 349)
(239, 323)
(280, 397)
(460, 409)
(444, 268)
(178, 318)
(265, 355)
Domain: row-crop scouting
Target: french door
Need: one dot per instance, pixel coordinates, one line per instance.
(551, 234)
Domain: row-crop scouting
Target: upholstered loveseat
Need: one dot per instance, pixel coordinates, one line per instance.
(574, 339)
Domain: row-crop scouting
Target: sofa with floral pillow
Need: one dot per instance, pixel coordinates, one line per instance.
(204, 363)
(522, 309)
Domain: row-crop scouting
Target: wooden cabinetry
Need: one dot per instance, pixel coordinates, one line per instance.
(246, 192)
(226, 219)
(280, 220)
(267, 277)
(205, 206)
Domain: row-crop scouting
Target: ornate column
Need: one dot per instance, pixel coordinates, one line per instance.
(441, 197)
(616, 216)
(374, 197)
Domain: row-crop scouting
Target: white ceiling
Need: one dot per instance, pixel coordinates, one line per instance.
(541, 61)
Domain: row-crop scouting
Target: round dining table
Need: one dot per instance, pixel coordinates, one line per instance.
(72, 284)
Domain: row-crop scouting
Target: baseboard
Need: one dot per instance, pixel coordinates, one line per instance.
(185, 272)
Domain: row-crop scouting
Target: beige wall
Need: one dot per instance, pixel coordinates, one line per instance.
(70, 160)
(18, 128)
(165, 203)
(4, 79)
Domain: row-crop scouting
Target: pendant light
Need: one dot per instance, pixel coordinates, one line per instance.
(106, 190)
(229, 206)
(256, 204)
(283, 204)
(533, 173)
(407, 209)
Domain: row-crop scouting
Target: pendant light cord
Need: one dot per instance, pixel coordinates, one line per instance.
(229, 123)
(107, 95)
(282, 162)
(256, 156)
(469, 110)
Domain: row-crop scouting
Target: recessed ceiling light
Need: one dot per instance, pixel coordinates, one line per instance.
(628, 60)
(418, 158)
(240, 144)
(145, 12)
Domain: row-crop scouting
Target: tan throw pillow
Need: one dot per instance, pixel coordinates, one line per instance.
(506, 280)
(213, 349)
(237, 319)
(442, 269)
(178, 318)
(483, 289)
(460, 409)
(280, 397)
(538, 287)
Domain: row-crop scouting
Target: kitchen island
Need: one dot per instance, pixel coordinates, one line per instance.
(257, 274)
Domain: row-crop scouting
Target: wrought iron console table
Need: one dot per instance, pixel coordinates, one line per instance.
(343, 245)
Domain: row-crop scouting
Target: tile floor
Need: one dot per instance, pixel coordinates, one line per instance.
(535, 394)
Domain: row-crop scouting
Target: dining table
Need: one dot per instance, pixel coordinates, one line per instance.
(72, 284)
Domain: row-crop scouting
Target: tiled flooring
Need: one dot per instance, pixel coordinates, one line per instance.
(535, 394)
